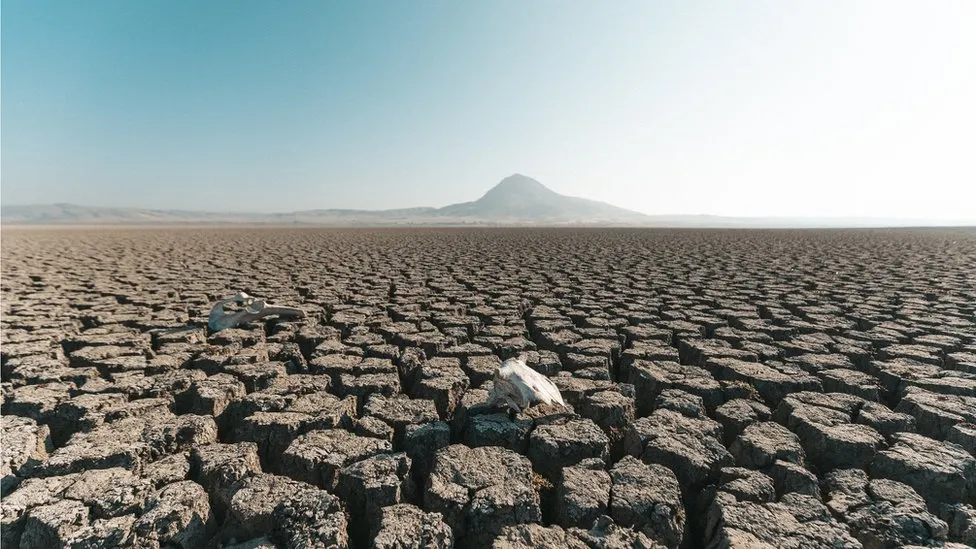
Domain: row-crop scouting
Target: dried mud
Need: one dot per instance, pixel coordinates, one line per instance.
(724, 388)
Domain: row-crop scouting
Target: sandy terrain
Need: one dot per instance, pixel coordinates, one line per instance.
(724, 389)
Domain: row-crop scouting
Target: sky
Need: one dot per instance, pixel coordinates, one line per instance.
(725, 107)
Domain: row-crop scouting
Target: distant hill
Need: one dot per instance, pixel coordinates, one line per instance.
(517, 200)
(67, 214)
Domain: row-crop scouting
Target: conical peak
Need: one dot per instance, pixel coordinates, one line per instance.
(519, 187)
(519, 181)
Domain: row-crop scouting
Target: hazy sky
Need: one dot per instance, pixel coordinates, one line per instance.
(819, 107)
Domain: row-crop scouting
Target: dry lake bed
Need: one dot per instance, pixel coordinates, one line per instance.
(724, 388)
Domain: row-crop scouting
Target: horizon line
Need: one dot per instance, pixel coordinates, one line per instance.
(656, 215)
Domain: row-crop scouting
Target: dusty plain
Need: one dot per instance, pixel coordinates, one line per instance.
(725, 388)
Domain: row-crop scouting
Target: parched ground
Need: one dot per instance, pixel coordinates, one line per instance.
(724, 388)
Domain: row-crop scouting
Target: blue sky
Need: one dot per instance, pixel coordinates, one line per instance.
(806, 107)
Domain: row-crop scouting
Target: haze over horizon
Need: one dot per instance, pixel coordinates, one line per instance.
(726, 108)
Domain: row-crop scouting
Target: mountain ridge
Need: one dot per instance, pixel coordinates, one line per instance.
(517, 200)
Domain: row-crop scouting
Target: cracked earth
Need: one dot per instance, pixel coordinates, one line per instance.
(723, 388)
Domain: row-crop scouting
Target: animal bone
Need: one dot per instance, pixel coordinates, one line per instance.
(518, 386)
(253, 309)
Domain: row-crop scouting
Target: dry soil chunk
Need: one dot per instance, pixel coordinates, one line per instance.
(747, 485)
(327, 409)
(852, 382)
(167, 470)
(113, 532)
(481, 490)
(317, 456)
(32, 493)
(763, 443)
(963, 362)
(219, 467)
(400, 411)
(82, 413)
(816, 363)
(481, 368)
(942, 472)
(254, 501)
(790, 477)
(679, 401)
(179, 515)
(37, 402)
(881, 512)
(404, 526)
(935, 414)
(498, 430)
(898, 373)
(651, 378)
(948, 383)
(372, 427)
(92, 355)
(961, 519)
(363, 385)
(737, 414)
(445, 386)
(553, 446)
(646, 351)
(213, 395)
(373, 483)
(963, 434)
(611, 410)
(582, 493)
(110, 492)
(536, 536)
(262, 542)
(772, 384)
(796, 521)
(827, 434)
(307, 517)
(421, 442)
(25, 443)
(689, 447)
(647, 497)
(574, 389)
(258, 376)
(883, 420)
(275, 431)
(921, 353)
(53, 524)
(605, 534)
(130, 443)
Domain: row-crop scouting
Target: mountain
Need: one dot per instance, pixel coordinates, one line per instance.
(517, 200)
